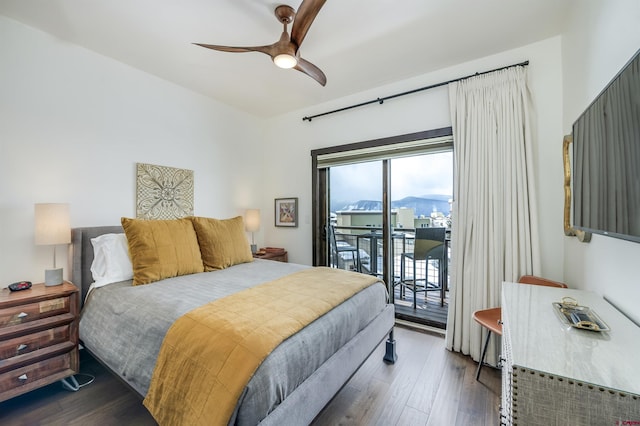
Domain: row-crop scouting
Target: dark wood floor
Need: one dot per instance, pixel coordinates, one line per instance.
(105, 402)
(427, 386)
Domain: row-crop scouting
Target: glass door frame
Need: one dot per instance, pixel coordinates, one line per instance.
(320, 195)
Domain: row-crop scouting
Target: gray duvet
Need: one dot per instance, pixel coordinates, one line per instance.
(125, 325)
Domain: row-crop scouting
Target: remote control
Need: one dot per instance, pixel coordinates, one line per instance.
(20, 285)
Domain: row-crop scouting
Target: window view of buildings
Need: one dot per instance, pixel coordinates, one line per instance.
(401, 218)
(421, 192)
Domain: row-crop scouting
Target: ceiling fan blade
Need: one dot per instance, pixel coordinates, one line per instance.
(264, 49)
(287, 46)
(311, 70)
(304, 18)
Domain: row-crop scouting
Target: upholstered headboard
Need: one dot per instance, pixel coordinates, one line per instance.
(82, 254)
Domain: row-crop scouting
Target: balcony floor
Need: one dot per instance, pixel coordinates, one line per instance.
(428, 313)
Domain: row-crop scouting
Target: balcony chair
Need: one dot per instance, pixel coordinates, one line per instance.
(491, 318)
(337, 250)
(429, 246)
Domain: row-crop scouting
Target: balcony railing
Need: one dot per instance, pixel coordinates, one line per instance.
(359, 248)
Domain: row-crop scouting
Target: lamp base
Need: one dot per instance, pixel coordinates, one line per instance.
(254, 248)
(52, 277)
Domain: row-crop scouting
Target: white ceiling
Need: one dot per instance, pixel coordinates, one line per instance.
(359, 44)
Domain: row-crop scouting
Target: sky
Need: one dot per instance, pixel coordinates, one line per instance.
(410, 176)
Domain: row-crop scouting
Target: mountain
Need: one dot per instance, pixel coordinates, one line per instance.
(423, 206)
(362, 205)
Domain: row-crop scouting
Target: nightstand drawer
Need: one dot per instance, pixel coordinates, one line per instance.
(33, 311)
(38, 337)
(35, 375)
(32, 342)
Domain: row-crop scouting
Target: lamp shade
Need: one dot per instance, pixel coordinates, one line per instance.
(52, 224)
(252, 220)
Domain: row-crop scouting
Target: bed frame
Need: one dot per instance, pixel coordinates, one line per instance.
(306, 402)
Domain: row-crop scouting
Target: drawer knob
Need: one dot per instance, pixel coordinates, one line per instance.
(22, 378)
(22, 347)
(22, 314)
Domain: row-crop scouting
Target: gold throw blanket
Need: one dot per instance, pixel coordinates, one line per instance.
(210, 353)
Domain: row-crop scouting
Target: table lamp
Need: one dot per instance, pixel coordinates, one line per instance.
(52, 227)
(252, 224)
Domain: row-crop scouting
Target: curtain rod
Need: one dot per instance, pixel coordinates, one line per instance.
(433, 86)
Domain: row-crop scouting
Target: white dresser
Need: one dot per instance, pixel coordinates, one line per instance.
(554, 374)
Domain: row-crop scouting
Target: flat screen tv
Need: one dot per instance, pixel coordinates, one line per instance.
(606, 159)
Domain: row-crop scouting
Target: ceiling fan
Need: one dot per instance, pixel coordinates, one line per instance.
(285, 53)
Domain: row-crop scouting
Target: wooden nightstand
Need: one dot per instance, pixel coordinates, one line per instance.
(277, 256)
(38, 337)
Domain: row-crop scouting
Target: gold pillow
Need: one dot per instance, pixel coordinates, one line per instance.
(223, 242)
(162, 249)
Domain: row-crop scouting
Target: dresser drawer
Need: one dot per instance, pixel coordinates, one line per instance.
(32, 376)
(14, 315)
(38, 337)
(34, 341)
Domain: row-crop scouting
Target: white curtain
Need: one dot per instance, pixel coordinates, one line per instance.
(494, 233)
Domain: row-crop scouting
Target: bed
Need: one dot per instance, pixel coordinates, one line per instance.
(123, 325)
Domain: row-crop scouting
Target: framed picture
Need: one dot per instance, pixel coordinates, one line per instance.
(286, 213)
(163, 192)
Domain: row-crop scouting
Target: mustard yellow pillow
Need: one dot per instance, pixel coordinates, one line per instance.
(223, 242)
(162, 249)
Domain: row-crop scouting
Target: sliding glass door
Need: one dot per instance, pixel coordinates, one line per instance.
(368, 202)
(422, 194)
(355, 209)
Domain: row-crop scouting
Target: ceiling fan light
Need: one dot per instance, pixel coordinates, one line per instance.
(284, 60)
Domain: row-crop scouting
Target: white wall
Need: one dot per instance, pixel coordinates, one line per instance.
(599, 39)
(72, 126)
(291, 141)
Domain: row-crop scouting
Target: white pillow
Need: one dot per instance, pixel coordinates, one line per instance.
(111, 261)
